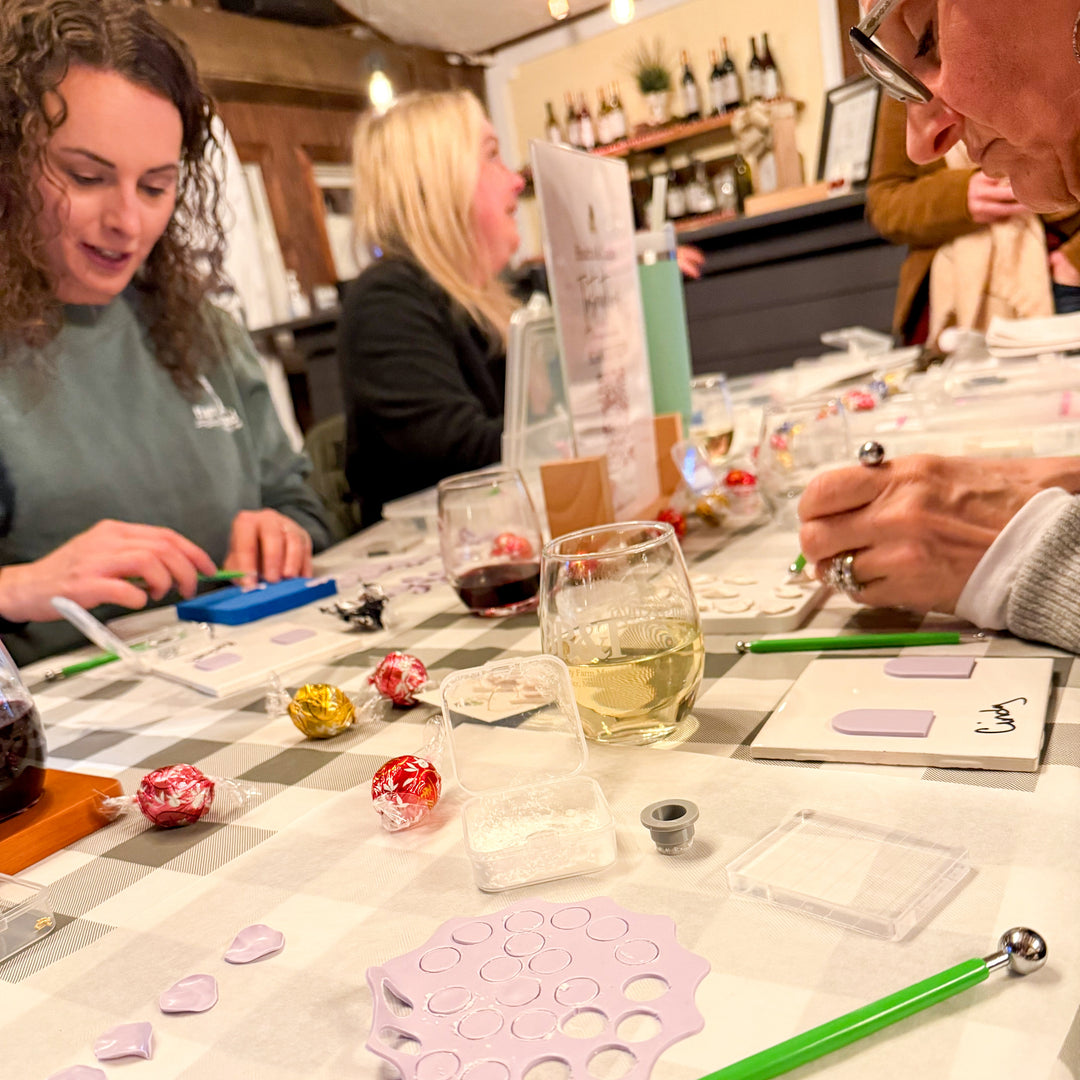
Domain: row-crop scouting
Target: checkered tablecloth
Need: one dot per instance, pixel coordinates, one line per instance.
(138, 909)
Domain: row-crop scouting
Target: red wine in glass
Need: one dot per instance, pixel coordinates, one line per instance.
(22, 757)
(505, 588)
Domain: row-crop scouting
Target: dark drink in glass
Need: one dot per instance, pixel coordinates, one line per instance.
(22, 756)
(500, 588)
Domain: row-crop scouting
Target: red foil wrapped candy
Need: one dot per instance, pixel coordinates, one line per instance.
(175, 795)
(676, 520)
(404, 791)
(510, 545)
(398, 677)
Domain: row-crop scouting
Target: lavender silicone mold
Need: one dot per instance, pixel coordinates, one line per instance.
(193, 994)
(253, 943)
(496, 995)
(125, 1040)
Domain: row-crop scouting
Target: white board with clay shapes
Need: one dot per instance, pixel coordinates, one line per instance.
(948, 711)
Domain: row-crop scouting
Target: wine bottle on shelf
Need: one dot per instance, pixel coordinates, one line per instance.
(744, 182)
(573, 122)
(603, 118)
(618, 114)
(585, 122)
(770, 88)
(716, 84)
(732, 90)
(551, 125)
(690, 97)
(676, 197)
(755, 75)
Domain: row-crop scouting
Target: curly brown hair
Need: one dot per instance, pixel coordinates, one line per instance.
(39, 41)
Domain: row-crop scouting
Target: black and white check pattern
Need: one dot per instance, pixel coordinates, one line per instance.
(138, 909)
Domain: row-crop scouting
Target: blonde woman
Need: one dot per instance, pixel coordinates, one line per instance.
(422, 337)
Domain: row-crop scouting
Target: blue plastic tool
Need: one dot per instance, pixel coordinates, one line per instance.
(236, 606)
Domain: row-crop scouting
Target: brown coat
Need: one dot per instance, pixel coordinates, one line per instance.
(925, 206)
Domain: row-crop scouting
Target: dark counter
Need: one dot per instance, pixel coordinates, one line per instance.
(773, 283)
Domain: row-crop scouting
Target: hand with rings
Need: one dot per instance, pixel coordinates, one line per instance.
(267, 544)
(910, 531)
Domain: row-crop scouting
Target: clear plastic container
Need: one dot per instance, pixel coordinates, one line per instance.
(25, 914)
(880, 881)
(519, 751)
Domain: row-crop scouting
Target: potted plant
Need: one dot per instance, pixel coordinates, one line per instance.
(653, 79)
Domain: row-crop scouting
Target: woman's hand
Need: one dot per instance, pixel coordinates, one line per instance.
(269, 545)
(691, 260)
(991, 200)
(918, 525)
(1062, 271)
(100, 566)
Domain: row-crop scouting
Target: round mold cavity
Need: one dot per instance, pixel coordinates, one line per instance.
(449, 1000)
(646, 988)
(550, 961)
(534, 1024)
(609, 928)
(439, 960)
(571, 918)
(518, 922)
(472, 933)
(524, 944)
(519, 992)
(578, 991)
(486, 1070)
(500, 969)
(583, 1024)
(481, 1024)
(440, 1065)
(548, 1068)
(639, 1026)
(637, 951)
(611, 1063)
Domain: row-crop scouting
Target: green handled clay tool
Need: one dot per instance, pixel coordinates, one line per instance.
(1020, 950)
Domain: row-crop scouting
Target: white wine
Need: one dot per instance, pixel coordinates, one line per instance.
(714, 444)
(645, 691)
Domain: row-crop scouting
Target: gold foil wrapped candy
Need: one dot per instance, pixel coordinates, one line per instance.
(321, 711)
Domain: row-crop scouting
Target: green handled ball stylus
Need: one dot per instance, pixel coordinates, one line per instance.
(1020, 949)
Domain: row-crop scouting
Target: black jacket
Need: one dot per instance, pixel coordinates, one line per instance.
(423, 396)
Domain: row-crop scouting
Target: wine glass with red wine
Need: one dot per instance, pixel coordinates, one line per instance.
(490, 539)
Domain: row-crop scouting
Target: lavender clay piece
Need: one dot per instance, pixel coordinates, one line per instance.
(79, 1072)
(899, 723)
(194, 994)
(125, 1040)
(930, 667)
(253, 943)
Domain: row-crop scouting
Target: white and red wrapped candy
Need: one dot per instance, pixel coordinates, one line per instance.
(175, 795)
(398, 677)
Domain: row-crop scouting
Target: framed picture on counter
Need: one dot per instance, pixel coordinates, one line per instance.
(847, 132)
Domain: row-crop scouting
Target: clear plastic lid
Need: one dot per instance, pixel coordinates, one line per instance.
(513, 723)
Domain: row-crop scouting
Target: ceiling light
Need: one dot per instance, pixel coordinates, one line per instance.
(380, 91)
(622, 11)
(559, 9)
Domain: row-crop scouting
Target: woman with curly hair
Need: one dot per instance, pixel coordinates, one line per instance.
(138, 443)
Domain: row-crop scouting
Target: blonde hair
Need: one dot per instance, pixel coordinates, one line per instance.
(416, 168)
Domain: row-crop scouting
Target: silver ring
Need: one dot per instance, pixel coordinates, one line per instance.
(841, 574)
(871, 453)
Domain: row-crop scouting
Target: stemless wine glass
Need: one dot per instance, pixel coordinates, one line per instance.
(712, 420)
(490, 539)
(797, 442)
(616, 605)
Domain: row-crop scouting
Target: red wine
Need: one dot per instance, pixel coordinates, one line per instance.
(22, 757)
(500, 585)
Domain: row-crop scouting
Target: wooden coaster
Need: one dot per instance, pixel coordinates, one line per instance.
(67, 811)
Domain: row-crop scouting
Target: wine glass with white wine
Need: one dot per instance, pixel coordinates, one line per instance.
(616, 605)
(712, 419)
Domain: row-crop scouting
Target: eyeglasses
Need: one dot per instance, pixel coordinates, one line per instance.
(896, 80)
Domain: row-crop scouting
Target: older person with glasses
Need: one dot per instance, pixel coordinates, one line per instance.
(995, 541)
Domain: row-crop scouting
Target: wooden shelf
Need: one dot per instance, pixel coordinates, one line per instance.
(703, 221)
(654, 137)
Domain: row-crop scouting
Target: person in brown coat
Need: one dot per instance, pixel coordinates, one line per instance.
(928, 206)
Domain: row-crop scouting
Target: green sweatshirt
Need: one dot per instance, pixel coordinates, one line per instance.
(97, 429)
